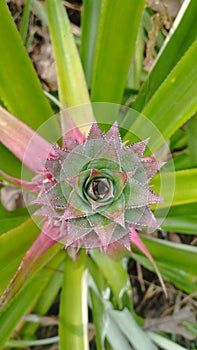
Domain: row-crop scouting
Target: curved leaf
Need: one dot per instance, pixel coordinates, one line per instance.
(71, 81)
(185, 187)
(114, 273)
(10, 317)
(176, 262)
(115, 45)
(174, 102)
(191, 128)
(8, 158)
(20, 89)
(181, 36)
(180, 218)
(127, 324)
(13, 245)
(90, 22)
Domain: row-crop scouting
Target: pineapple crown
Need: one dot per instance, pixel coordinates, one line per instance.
(95, 190)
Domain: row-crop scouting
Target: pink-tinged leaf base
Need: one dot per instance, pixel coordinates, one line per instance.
(16, 135)
(135, 239)
(33, 186)
(74, 133)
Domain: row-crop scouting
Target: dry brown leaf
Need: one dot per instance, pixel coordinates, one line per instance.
(172, 324)
(12, 198)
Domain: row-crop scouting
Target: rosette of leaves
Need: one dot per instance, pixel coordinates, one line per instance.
(95, 191)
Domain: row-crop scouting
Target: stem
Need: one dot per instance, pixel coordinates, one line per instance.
(73, 327)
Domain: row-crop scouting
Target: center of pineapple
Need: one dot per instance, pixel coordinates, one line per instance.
(100, 188)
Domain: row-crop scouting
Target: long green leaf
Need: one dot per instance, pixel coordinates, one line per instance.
(165, 343)
(99, 318)
(25, 20)
(185, 187)
(27, 343)
(178, 140)
(182, 161)
(181, 218)
(98, 278)
(5, 214)
(40, 10)
(8, 158)
(13, 245)
(185, 209)
(181, 36)
(115, 45)
(114, 273)
(51, 290)
(181, 224)
(174, 102)
(176, 262)
(20, 89)
(177, 255)
(73, 327)
(137, 337)
(71, 80)
(115, 336)
(191, 128)
(10, 317)
(45, 300)
(35, 258)
(7, 224)
(179, 277)
(135, 71)
(90, 22)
